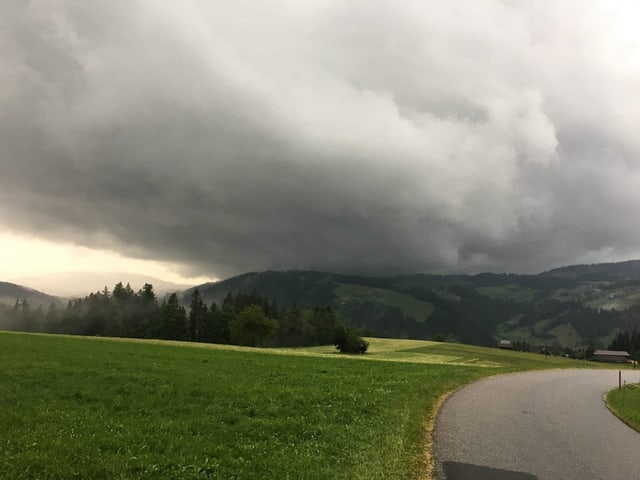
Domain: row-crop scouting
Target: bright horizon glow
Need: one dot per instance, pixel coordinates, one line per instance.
(24, 256)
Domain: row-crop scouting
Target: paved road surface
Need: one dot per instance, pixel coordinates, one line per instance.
(549, 425)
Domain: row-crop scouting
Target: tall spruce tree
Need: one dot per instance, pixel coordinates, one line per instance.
(173, 320)
(197, 317)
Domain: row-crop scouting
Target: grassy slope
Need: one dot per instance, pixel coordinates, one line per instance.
(513, 293)
(407, 304)
(625, 404)
(98, 408)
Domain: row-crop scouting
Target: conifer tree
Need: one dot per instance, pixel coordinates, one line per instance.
(173, 320)
(197, 316)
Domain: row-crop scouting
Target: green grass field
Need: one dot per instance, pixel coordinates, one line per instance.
(74, 407)
(513, 293)
(625, 404)
(407, 304)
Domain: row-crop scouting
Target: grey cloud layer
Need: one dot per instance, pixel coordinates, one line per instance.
(359, 136)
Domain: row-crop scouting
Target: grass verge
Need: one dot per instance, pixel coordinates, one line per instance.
(625, 404)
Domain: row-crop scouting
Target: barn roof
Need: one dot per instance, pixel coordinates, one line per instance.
(617, 353)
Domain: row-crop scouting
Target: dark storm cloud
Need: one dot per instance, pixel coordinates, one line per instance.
(359, 136)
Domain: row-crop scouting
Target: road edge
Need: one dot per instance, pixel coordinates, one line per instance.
(425, 465)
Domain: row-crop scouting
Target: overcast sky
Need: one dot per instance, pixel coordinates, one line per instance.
(209, 138)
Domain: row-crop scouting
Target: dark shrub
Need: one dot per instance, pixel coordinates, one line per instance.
(347, 340)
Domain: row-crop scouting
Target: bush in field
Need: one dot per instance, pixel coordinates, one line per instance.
(347, 340)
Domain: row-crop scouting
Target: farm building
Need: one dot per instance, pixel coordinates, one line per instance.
(612, 356)
(508, 344)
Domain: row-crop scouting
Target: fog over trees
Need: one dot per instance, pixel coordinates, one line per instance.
(248, 319)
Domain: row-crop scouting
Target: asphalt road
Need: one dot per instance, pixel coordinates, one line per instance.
(550, 425)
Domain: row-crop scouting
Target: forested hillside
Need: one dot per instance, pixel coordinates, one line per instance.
(565, 307)
(569, 307)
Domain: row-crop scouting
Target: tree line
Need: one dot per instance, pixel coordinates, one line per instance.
(628, 341)
(242, 319)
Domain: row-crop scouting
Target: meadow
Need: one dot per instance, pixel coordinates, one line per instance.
(625, 404)
(86, 407)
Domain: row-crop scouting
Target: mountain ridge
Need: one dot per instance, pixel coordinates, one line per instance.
(12, 292)
(65, 283)
(568, 306)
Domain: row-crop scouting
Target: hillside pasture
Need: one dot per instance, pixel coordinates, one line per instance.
(407, 304)
(508, 293)
(616, 299)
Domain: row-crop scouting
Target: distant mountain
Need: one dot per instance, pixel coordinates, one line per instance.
(305, 288)
(10, 292)
(567, 306)
(629, 270)
(80, 284)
